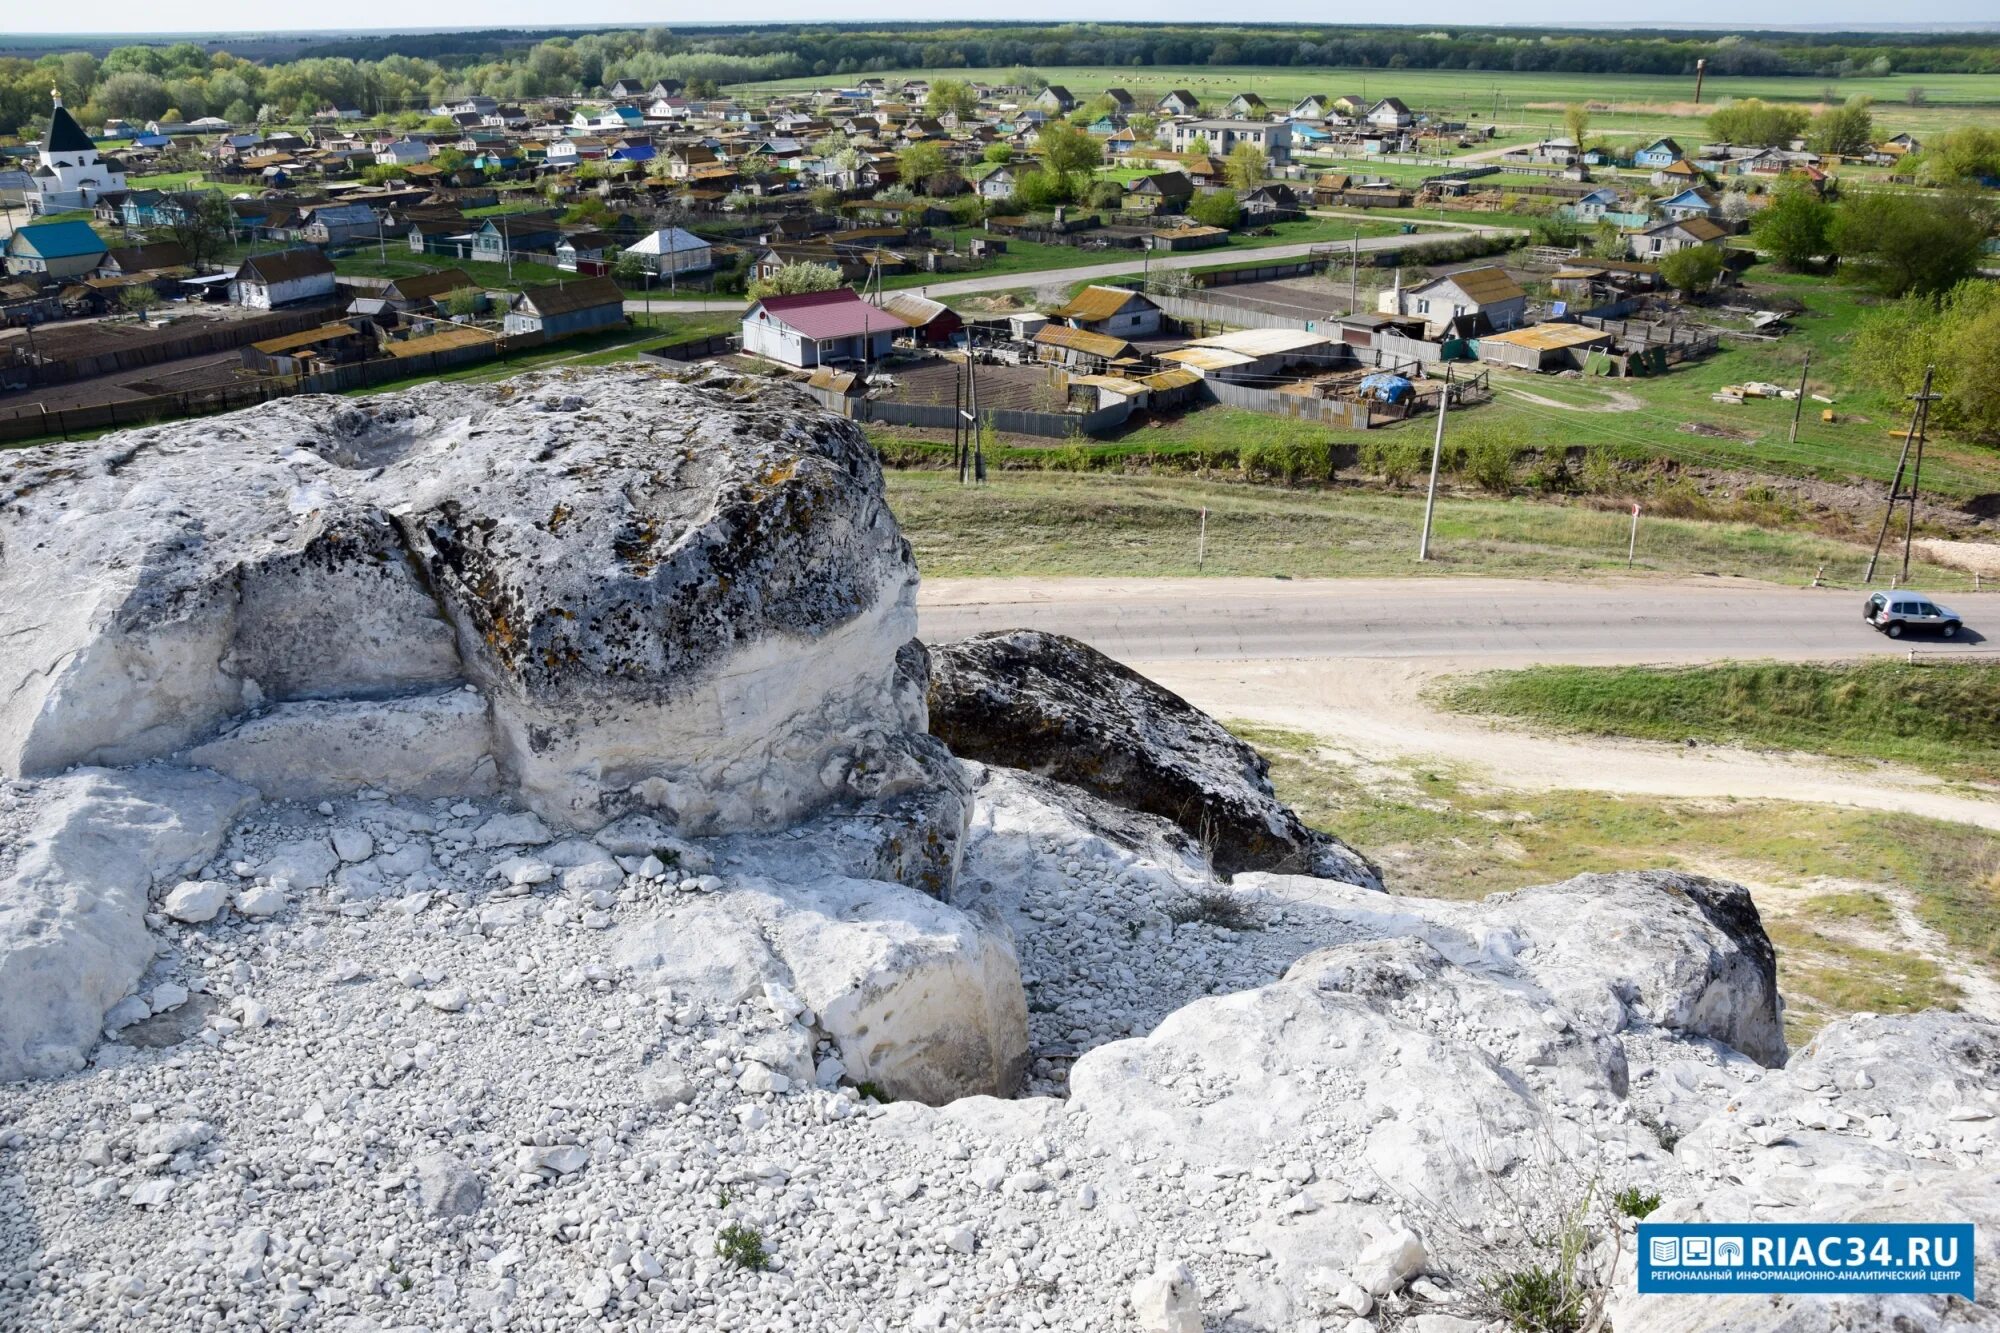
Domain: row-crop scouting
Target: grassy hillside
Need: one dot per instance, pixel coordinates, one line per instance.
(1942, 718)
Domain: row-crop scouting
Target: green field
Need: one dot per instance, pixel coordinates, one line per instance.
(1106, 524)
(1632, 104)
(1945, 719)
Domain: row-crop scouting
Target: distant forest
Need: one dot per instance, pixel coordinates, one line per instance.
(404, 72)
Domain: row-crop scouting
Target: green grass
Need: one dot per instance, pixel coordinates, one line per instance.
(1108, 524)
(1944, 718)
(1439, 834)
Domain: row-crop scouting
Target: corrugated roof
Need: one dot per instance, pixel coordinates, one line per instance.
(912, 309)
(835, 314)
(424, 286)
(1081, 340)
(57, 240)
(1207, 358)
(1115, 383)
(1263, 342)
(1170, 379)
(286, 265)
(305, 338)
(1548, 337)
(1487, 285)
(1093, 304)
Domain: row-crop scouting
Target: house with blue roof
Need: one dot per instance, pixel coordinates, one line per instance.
(54, 250)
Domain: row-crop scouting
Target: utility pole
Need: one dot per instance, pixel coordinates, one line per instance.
(1918, 413)
(1916, 481)
(1354, 273)
(1437, 453)
(1799, 403)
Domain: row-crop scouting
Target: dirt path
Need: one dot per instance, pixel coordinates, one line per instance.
(1616, 400)
(1374, 709)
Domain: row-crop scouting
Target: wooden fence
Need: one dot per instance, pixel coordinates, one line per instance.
(156, 346)
(35, 421)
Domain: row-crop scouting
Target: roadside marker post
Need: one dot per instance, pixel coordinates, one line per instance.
(1632, 546)
(1201, 542)
(1437, 453)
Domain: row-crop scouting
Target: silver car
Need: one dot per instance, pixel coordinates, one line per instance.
(1898, 613)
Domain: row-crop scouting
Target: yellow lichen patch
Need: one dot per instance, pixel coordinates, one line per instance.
(558, 516)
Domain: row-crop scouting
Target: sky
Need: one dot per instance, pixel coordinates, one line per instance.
(256, 15)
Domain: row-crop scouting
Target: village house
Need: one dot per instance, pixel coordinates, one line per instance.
(1664, 238)
(499, 239)
(1055, 99)
(564, 308)
(54, 250)
(422, 291)
(1161, 192)
(402, 153)
(1179, 102)
(1274, 137)
(150, 258)
(281, 278)
(674, 250)
(336, 224)
(1694, 203)
(1390, 114)
(1473, 300)
(1245, 106)
(1659, 153)
(813, 329)
(1118, 312)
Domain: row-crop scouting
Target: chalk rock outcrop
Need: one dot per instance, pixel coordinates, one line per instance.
(78, 861)
(919, 998)
(675, 593)
(1053, 706)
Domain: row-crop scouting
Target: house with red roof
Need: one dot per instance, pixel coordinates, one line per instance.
(819, 329)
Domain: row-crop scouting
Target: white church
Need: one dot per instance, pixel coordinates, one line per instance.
(72, 174)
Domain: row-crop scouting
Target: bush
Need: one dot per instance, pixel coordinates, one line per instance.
(1538, 1300)
(1216, 209)
(1214, 907)
(1635, 1203)
(743, 1247)
(1488, 463)
(1395, 461)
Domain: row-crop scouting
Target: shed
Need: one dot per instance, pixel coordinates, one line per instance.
(1118, 312)
(1543, 346)
(931, 322)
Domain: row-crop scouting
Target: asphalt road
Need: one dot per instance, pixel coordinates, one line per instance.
(1496, 622)
(994, 282)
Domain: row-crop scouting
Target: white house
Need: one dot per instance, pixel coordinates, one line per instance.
(1274, 137)
(72, 174)
(814, 329)
(673, 250)
(265, 282)
(1485, 291)
(402, 153)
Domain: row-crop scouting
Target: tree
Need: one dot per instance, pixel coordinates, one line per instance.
(203, 223)
(131, 95)
(1143, 126)
(1198, 145)
(1752, 121)
(951, 97)
(792, 279)
(1910, 243)
(1793, 228)
(1247, 166)
(1689, 271)
(1067, 153)
(1576, 122)
(999, 154)
(1959, 335)
(1843, 130)
(1037, 190)
(1959, 156)
(1217, 208)
(920, 161)
(825, 199)
(464, 302)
